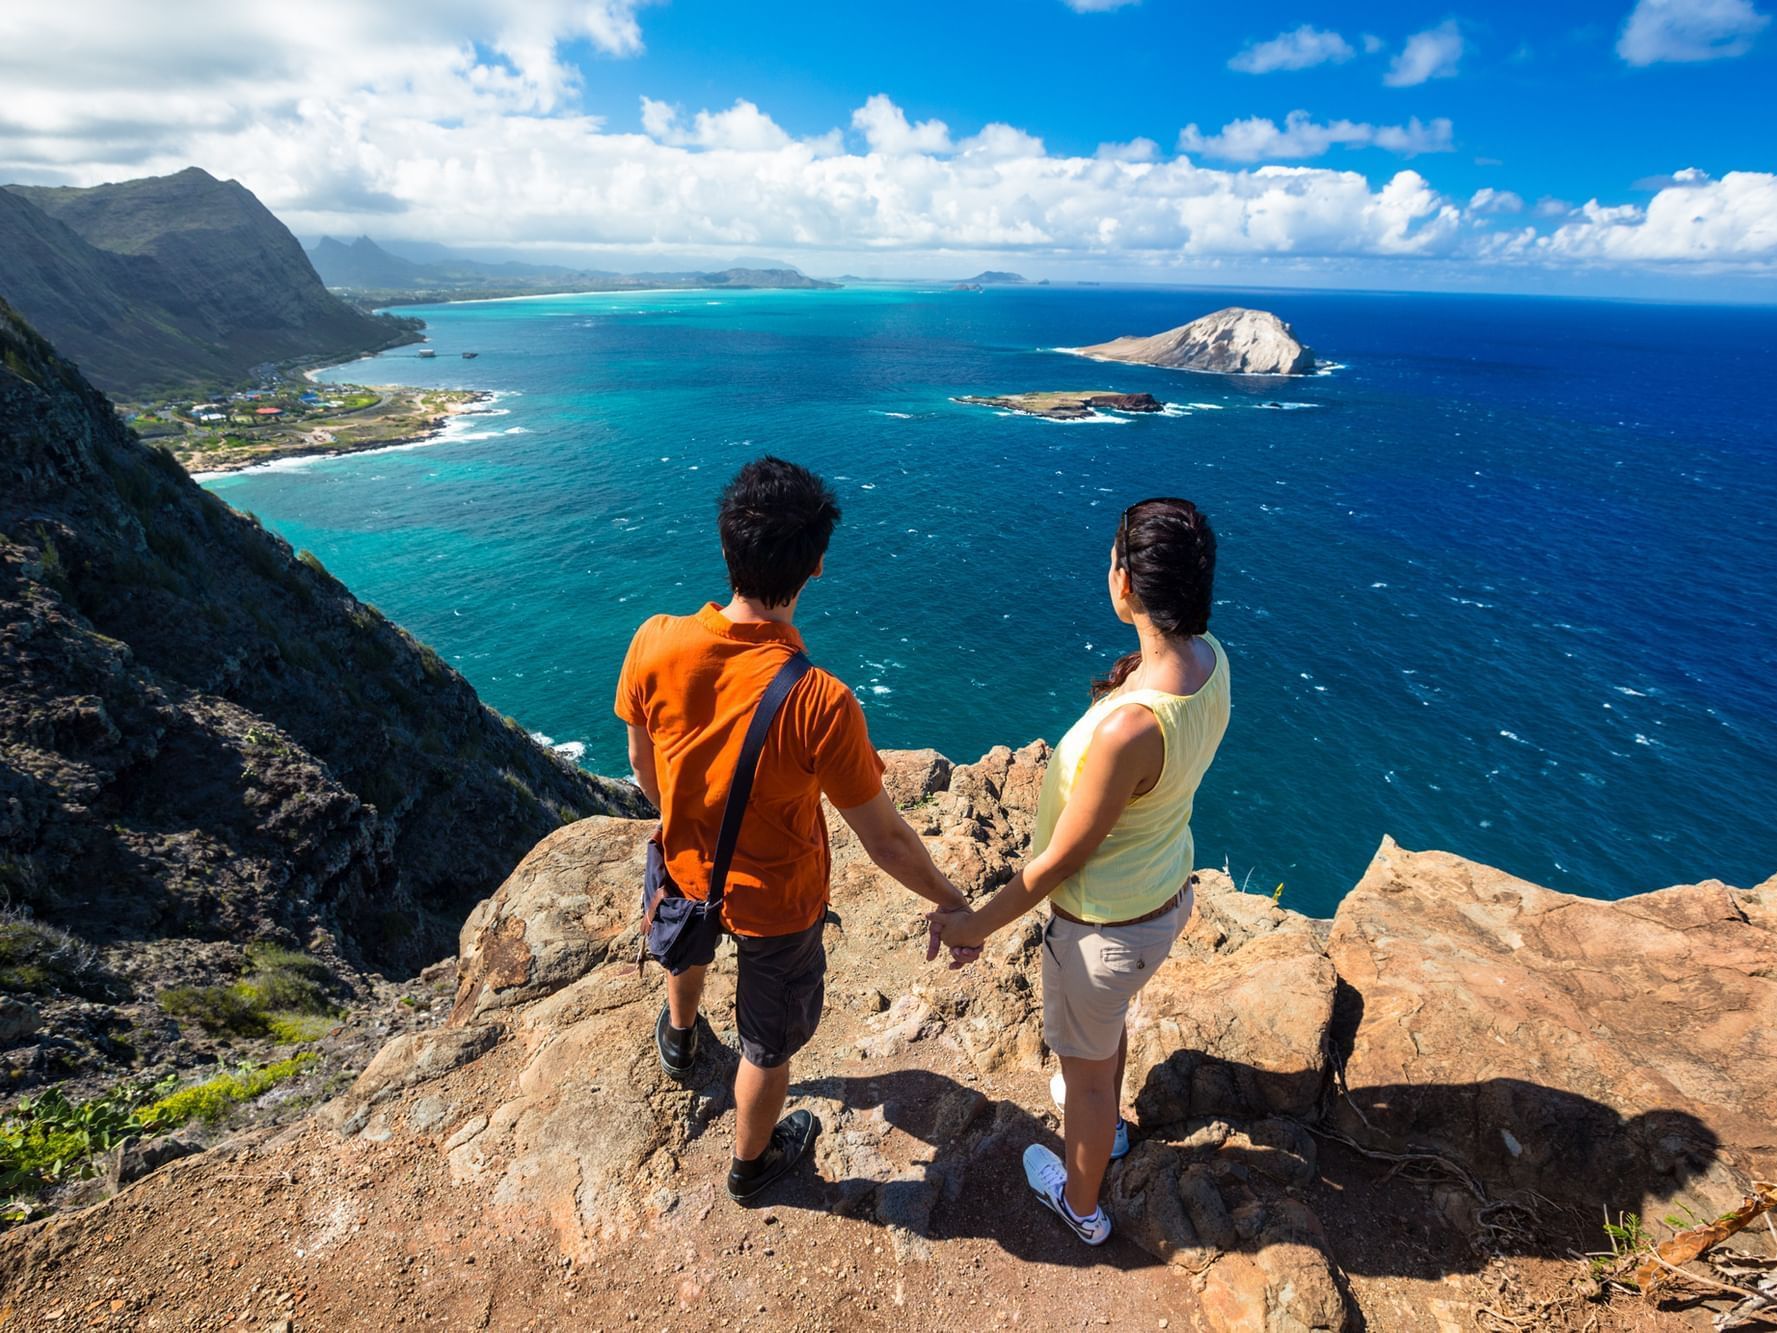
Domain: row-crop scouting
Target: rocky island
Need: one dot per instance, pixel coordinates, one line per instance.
(1235, 341)
(1066, 405)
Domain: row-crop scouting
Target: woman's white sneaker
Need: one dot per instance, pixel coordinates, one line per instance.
(1048, 1177)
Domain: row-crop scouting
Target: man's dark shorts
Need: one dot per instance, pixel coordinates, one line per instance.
(778, 992)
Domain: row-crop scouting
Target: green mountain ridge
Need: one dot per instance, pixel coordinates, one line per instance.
(172, 280)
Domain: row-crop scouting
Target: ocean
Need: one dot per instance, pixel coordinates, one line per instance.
(1502, 582)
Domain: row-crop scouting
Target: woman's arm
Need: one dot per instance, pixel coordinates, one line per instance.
(1125, 757)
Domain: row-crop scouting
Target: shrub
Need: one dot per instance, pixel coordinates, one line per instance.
(210, 1101)
(35, 956)
(285, 995)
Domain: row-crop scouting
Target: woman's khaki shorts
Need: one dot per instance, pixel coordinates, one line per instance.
(1091, 973)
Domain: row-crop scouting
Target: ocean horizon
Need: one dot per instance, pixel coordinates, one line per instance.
(1500, 583)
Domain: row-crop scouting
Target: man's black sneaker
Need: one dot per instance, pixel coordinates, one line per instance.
(677, 1049)
(790, 1142)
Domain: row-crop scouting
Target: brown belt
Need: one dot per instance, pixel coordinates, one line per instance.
(1154, 915)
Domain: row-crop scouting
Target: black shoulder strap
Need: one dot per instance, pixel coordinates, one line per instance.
(742, 786)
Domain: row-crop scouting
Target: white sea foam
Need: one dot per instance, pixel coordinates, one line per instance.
(881, 689)
(1175, 410)
(1633, 694)
(898, 416)
(1514, 736)
(1284, 407)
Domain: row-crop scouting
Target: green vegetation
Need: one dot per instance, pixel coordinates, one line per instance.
(285, 995)
(48, 1138)
(36, 958)
(55, 573)
(313, 561)
(210, 1101)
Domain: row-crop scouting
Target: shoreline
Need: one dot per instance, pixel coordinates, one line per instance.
(481, 404)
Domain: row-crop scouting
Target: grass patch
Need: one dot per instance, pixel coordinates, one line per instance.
(285, 995)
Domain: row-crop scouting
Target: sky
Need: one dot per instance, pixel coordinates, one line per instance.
(1617, 148)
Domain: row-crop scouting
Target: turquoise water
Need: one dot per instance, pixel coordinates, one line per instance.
(1503, 583)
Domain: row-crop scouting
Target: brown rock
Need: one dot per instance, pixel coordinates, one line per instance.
(909, 776)
(1285, 1284)
(1604, 1053)
(555, 918)
(1238, 1034)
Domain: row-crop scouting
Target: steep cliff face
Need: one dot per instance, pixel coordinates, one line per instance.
(171, 280)
(205, 740)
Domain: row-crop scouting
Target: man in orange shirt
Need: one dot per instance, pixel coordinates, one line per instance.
(688, 689)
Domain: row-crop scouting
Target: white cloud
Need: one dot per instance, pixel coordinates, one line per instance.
(1299, 48)
(1726, 222)
(1658, 30)
(1257, 139)
(1372, 43)
(462, 122)
(1136, 150)
(1432, 54)
(1097, 6)
(1489, 200)
(885, 128)
(742, 128)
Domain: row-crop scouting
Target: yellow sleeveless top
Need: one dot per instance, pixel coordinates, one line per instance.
(1148, 855)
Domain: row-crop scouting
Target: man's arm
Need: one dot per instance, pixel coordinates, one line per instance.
(893, 845)
(641, 763)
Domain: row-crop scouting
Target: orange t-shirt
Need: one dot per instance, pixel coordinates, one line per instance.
(692, 682)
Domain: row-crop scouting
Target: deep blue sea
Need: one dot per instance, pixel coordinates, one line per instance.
(1502, 583)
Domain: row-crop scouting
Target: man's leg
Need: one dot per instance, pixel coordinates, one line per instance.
(684, 993)
(777, 1006)
(758, 1101)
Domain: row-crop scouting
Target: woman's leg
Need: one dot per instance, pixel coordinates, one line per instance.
(1090, 1123)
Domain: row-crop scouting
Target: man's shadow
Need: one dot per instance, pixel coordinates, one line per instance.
(1563, 1159)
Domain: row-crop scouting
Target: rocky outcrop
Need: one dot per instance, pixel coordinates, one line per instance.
(1379, 1125)
(1599, 1053)
(206, 741)
(1062, 405)
(1235, 341)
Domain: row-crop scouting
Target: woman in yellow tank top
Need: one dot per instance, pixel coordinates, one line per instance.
(1113, 851)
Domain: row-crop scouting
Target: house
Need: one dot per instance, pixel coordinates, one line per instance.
(268, 411)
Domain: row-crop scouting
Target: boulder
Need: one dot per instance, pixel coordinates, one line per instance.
(557, 916)
(1235, 341)
(1611, 1054)
(1244, 1033)
(910, 776)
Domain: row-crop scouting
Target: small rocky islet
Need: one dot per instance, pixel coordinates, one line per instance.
(1068, 405)
(1234, 341)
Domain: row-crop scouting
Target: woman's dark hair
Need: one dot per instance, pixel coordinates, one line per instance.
(1169, 550)
(775, 519)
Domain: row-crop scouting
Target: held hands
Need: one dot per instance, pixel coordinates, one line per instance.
(960, 955)
(957, 930)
